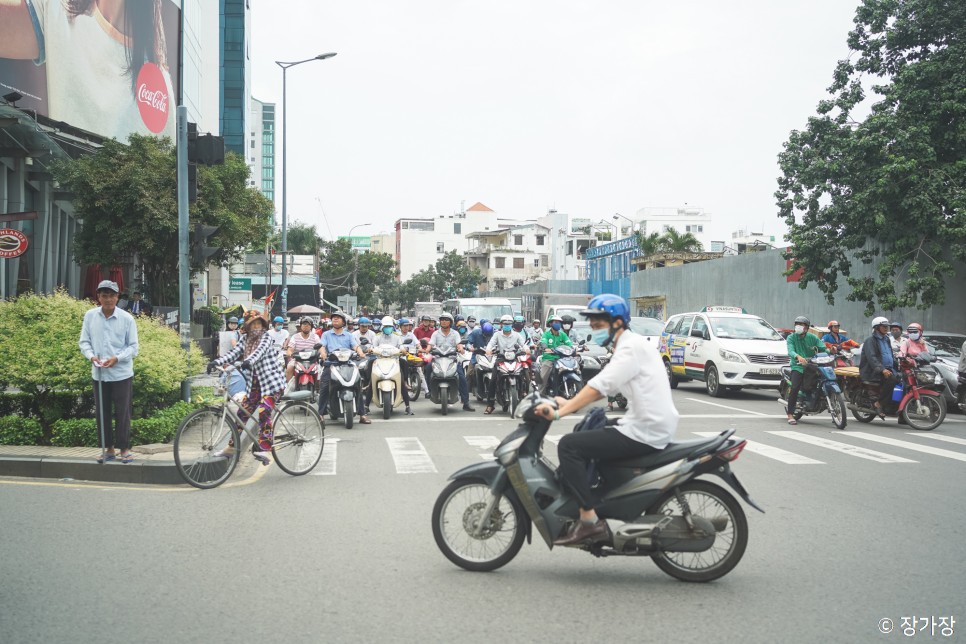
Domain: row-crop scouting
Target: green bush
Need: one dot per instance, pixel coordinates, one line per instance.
(16, 430)
(75, 432)
(39, 355)
(161, 427)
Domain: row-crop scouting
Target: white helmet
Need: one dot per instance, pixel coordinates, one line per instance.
(506, 319)
(388, 321)
(879, 321)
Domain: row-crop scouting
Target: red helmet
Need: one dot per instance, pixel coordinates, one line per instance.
(832, 323)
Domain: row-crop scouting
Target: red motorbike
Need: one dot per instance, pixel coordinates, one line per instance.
(917, 397)
(308, 371)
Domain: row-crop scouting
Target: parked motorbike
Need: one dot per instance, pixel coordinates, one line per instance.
(483, 374)
(386, 379)
(565, 379)
(443, 381)
(345, 386)
(917, 397)
(308, 371)
(655, 505)
(825, 395)
(512, 383)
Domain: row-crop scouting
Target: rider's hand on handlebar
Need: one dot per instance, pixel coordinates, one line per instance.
(802, 360)
(546, 411)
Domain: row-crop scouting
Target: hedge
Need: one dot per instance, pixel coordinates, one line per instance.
(159, 428)
(16, 430)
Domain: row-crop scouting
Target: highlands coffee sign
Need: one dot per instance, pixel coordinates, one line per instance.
(13, 243)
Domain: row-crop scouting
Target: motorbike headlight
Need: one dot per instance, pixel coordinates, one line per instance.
(938, 380)
(730, 356)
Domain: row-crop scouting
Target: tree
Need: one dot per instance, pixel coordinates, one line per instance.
(674, 242)
(337, 263)
(127, 197)
(300, 239)
(888, 188)
(648, 244)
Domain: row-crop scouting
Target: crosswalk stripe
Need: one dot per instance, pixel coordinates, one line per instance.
(484, 443)
(773, 452)
(554, 438)
(845, 448)
(939, 437)
(326, 464)
(410, 456)
(925, 449)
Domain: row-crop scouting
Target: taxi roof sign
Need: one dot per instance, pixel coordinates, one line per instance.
(724, 309)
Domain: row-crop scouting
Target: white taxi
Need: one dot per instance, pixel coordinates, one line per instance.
(725, 347)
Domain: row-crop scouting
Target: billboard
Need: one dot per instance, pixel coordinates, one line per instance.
(107, 68)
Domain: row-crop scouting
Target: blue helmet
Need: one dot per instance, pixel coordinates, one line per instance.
(487, 327)
(233, 319)
(363, 320)
(278, 318)
(610, 306)
(403, 321)
(519, 318)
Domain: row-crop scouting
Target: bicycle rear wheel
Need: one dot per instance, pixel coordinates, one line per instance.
(201, 435)
(299, 438)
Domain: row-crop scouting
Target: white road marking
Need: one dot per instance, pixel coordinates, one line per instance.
(554, 438)
(410, 456)
(773, 452)
(925, 449)
(744, 411)
(939, 437)
(484, 443)
(326, 464)
(845, 448)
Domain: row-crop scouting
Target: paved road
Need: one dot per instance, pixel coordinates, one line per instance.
(861, 525)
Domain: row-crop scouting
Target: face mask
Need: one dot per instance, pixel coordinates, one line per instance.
(556, 326)
(600, 336)
(914, 336)
(507, 327)
(567, 327)
(800, 329)
(387, 330)
(462, 330)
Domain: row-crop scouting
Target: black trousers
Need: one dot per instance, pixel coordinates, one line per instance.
(796, 386)
(324, 393)
(578, 448)
(116, 403)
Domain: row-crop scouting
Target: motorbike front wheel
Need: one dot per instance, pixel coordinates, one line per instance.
(386, 405)
(927, 415)
(456, 516)
(715, 504)
(836, 407)
(348, 411)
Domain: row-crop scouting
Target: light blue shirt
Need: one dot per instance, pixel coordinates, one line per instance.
(113, 337)
(333, 341)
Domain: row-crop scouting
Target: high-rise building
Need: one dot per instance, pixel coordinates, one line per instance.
(261, 148)
(235, 73)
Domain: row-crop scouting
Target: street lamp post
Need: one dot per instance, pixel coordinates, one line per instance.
(285, 65)
(630, 221)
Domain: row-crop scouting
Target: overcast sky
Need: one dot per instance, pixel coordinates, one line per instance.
(588, 107)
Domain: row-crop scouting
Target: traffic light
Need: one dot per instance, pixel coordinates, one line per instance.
(205, 149)
(200, 251)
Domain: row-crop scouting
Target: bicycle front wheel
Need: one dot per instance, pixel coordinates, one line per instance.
(299, 438)
(201, 451)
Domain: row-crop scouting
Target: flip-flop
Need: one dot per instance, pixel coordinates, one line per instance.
(792, 421)
(127, 458)
(105, 457)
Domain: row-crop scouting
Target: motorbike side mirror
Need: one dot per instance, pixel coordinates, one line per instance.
(317, 346)
(589, 338)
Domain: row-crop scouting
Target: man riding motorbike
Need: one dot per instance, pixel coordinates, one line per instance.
(507, 340)
(445, 338)
(878, 363)
(802, 345)
(387, 337)
(304, 340)
(837, 342)
(332, 340)
(637, 371)
(567, 324)
(552, 338)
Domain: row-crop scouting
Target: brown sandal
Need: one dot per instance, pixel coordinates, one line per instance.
(488, 410)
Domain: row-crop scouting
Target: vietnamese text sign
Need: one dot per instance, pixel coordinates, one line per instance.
(240, 284)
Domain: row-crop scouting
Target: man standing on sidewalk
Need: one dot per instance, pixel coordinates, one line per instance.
(109, 339)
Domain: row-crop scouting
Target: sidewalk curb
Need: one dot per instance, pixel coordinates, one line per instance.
(49, 467)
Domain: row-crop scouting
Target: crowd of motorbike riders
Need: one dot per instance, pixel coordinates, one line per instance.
(501, 361)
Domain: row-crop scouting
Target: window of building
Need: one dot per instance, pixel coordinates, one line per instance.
(536, 262)
(545, 260)
(695, 228)
(517, 262)
(499, 262)
(570, 247)
(518, 240)
(457, 229)
(499, 285)
(540, 239)
(439, 247)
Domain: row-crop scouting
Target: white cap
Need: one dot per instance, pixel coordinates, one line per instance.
(109, 285)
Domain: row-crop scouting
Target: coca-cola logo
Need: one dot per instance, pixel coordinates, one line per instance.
(152, 97)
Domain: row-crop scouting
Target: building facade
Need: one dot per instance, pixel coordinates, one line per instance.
(261, 149)
(610, 265)
(570, 237)
(509, 257)
(235, 73)
(684, 220)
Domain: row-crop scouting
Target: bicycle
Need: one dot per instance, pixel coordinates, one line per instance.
(299, 436)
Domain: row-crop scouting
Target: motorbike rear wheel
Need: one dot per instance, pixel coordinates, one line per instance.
(709, 501)
(863, 417)
(929, 417)
(413, 384)
(836, 407)
(457, 513)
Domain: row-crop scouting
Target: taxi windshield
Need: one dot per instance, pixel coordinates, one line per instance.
(744, 329)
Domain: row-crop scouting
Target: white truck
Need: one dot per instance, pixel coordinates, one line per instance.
(541, 306)
(432, 309)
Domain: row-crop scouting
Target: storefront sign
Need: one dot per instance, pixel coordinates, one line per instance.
(240, 284)
(13, 243)
(619, 246)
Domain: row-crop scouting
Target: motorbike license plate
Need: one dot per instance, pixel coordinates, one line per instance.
(769, 372)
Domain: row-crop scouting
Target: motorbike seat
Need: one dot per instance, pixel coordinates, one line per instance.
(673, 452)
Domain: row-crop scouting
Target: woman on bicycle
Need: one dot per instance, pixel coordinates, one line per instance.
(258, 354)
